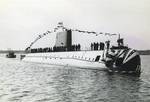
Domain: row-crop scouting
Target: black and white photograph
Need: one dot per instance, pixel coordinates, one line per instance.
(74, 51)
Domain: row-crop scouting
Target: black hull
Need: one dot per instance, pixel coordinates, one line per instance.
(11, 56)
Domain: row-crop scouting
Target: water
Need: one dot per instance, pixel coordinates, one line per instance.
(29, 82)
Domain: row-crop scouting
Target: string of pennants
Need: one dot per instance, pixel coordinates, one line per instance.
(64, 28)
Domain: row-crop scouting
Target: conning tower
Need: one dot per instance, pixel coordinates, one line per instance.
(64, 39)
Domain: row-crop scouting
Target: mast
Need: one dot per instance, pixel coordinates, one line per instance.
(120, 41)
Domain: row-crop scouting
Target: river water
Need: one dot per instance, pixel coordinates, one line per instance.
(30, 82)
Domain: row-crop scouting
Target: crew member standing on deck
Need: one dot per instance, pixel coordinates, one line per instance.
(107, 44)
(92, 46)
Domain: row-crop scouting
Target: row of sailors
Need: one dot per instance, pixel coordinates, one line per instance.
(57, 49)
(75, 47)
(97, 46)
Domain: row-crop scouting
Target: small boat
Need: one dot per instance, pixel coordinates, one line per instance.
(11, 54)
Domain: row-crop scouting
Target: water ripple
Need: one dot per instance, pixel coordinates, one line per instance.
(30, 82)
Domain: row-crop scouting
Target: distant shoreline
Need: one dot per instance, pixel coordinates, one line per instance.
(144, 52)
(141, 52)
(15, 51)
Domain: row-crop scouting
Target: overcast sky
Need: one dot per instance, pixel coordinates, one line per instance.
(21, 21)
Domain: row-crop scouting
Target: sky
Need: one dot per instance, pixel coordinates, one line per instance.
(21, 21)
